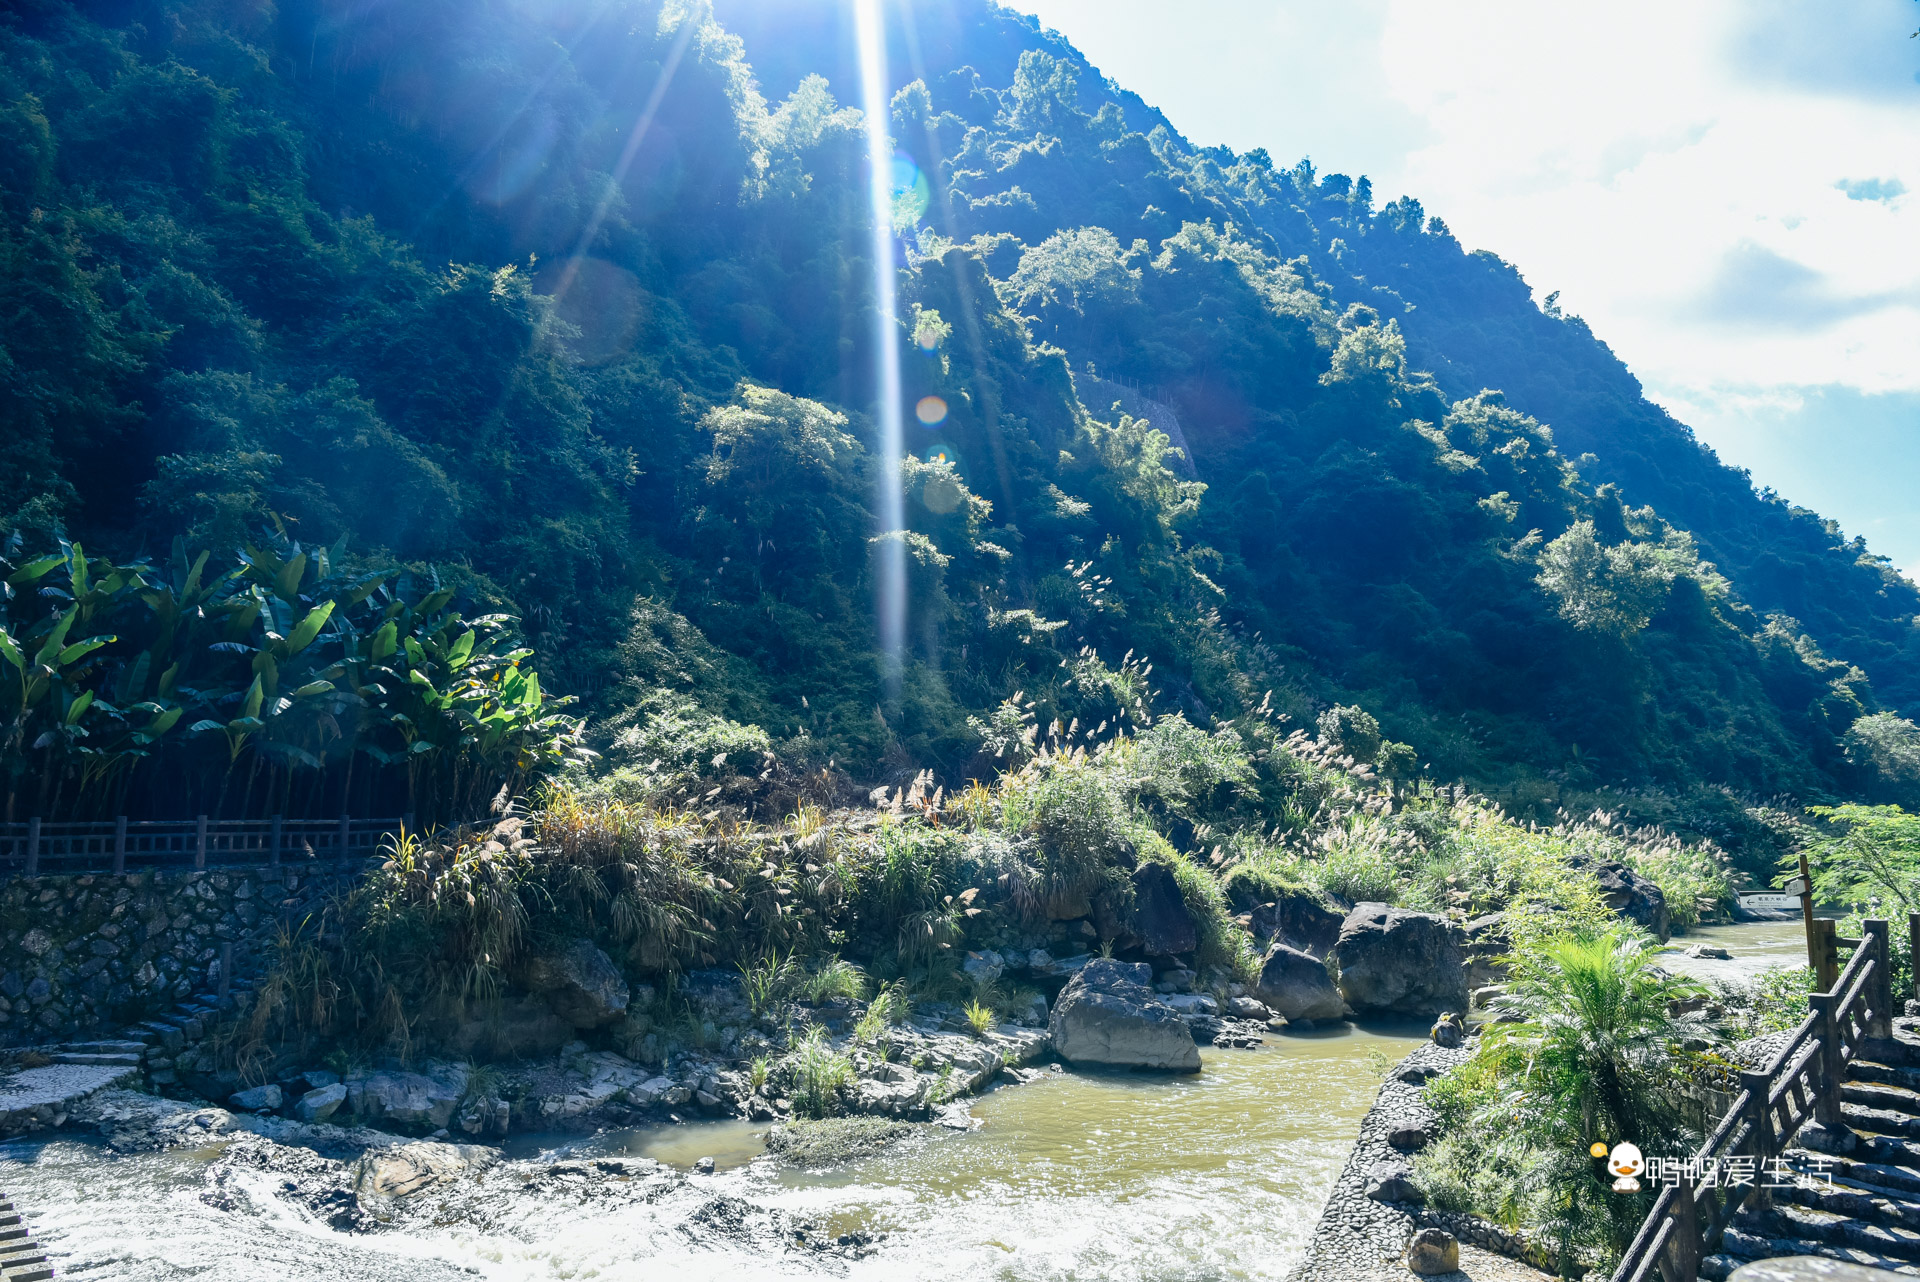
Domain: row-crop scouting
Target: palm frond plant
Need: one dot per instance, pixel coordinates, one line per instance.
(1595, 1054)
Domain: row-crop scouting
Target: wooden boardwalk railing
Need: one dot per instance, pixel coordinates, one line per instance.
(34, 848)
(1801, 1083)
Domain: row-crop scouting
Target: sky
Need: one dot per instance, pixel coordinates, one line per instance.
(1728, 191)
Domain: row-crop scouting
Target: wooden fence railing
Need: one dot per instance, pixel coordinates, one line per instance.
(1802, 1082)
(34, 848)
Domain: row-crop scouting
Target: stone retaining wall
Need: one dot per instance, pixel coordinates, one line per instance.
(81, 955)
(1361, 1239)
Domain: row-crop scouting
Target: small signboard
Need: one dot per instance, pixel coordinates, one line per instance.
(1797, 887)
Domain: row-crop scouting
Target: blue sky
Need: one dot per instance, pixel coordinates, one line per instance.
(1727, 190)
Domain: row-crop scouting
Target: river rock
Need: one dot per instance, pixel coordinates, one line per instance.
(1192, 1003)
(579, 983)
(1160, 912)
(1108, 1014)
(1298, 920)
(319, 1104)
(1392, 1181)
(1409, 1137)
(406, 1170)
(983, 968)
(1296, 986)
(1249, 1008)
(407, 1099)
(1448, 1031)
(1711, 952)
(255, 1099)
(1627, 893)
(1393, 961)
(1433, 1251)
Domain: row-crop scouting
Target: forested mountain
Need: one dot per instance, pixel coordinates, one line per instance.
(571, 300)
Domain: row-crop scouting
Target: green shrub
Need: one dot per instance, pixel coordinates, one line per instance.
(818, 1073)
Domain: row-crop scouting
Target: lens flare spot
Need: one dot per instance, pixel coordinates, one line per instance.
(910, 191)
(942, 454)
(931, 411)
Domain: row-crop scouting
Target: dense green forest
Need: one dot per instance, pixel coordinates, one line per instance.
(560, 310)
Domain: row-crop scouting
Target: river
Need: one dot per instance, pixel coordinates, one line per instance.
(1119, 1177)
(1073, 1176)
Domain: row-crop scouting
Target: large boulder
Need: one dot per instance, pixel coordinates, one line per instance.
(1396, 962)
(1109, 1014)
(390, 1173)
(407, 1099)
(320, 1103)
(1628, 894)
(1295, 985)
(578, 983)
(1160, 912)
(1299, 921)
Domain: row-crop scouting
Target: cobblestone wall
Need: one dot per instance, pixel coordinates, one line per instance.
(87, 954)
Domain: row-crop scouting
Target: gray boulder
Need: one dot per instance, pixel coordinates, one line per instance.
(1295, 985)
(1299, 921)
(1160, 912)
(387, 1174)
(1400, 963)
(255, 1099)
(1432, 1252)
(407, 1099)
(1392, 1181)
(320, 1103)
(1628, 894)
(578, 983)
(1109, 1014)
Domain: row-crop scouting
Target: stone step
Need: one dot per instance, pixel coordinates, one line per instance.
(1893, 1181)
(1886, 1150)
(14, 1232)
(1882, 1095)
(1844, 1196)
(1901, 1050)
(106, 1048)
(40, 1271)
(1869, 1070)
(1881, 1121)
(1743, 1246)
(71, 1057)
(1789, 1220)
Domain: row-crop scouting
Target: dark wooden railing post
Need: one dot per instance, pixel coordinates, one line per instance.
(1826, 1100)
(341, 853)
(200, 842)
(1879, 994)
(33, 847)
(1758, 1085)
(1913, 948)
(1826, 953)
(1680, 1261)
(119, 845)
(273, 840)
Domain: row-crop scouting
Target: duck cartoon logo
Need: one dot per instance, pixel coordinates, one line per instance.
(1626, 1163)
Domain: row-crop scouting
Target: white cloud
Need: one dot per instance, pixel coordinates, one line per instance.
(1692, 210)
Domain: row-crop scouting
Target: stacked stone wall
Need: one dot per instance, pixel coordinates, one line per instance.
(87, 954)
